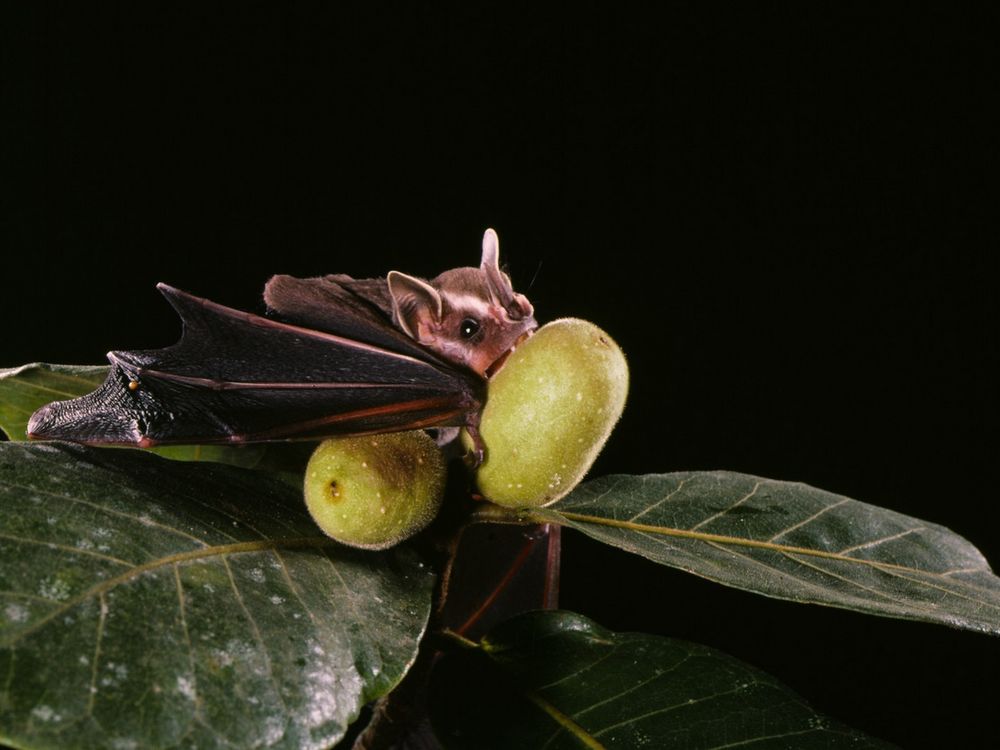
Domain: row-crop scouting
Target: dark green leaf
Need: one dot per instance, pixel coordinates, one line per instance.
(790, 541)
(152, 603)
(558, 680)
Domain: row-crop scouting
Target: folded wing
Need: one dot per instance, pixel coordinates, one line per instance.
(334, 365)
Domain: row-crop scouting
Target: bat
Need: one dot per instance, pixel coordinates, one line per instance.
(333, 356)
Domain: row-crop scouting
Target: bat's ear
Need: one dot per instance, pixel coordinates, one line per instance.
(490, 263)
(516, 305)
(416, 305)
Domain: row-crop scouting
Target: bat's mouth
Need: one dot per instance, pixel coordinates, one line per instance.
(502, 359)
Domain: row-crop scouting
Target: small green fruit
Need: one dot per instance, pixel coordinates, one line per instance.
(377, 490)
(549, 412)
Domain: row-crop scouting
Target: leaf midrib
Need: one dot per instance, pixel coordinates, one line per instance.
(738, 541)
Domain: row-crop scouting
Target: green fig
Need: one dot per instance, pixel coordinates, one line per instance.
(549, 412)
(374, 491)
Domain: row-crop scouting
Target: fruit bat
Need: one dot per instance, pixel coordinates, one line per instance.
(334, 355)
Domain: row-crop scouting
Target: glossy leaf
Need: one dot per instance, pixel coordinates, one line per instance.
(24, 389)
(558, 680)
(153, 603)
(790, 541)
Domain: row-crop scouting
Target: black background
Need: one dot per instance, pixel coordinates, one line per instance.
(784, 213)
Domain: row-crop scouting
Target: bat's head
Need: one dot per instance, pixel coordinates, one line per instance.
(471, 316)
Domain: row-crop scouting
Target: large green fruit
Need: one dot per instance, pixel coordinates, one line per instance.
(375, 491)
(549, 412)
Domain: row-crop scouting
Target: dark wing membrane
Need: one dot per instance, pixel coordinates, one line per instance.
(239, 377)
(360, 309)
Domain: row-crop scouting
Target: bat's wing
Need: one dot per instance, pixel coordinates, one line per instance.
(239, 377)
(357, 308)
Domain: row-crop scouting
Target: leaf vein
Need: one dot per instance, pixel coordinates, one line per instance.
(105, 509)
(12, 407)
(352, 603)
(847, 580)
(728, 509)
(30, 597)
(258, 636)
(882, 540)
(661, 501)
(99, 588)
(182, 616)
(723, 540)
(947, 591)
(67, 548)
(27, 385)
(638, 685)
(96, 658)
(765, 738)
(667, 709)
(565, 723)
(809, 520)
(574, 675)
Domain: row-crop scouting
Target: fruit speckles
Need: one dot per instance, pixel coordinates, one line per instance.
(549, 412)
(375, 493)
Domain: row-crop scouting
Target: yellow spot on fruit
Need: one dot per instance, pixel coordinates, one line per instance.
(371, 475)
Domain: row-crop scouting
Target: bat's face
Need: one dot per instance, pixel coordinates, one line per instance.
(460, 316)
(470, 316)
(480, 332)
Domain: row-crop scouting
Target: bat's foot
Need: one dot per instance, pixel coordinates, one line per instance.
(475, 457)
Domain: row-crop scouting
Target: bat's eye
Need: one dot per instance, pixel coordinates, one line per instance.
(469, 328)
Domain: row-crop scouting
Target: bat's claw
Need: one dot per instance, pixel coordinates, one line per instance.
(475, 457)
